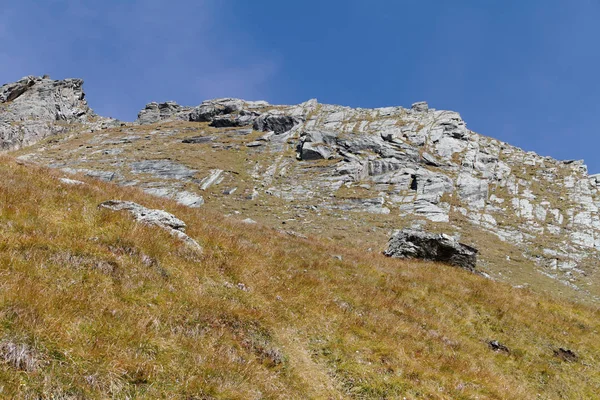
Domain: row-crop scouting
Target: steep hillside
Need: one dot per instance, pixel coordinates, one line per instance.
(95, 305)
(355, 175)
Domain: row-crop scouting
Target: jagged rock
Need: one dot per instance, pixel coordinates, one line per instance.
(409, 243)
(155, 112)
(428, 159)
(243, 118)
(209, 109)
(148, 216)
(422, 165)
(313, 151)
(276, 123)
(30, 108)
(421, 106)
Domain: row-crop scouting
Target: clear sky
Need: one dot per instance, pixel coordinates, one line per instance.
(523, 71)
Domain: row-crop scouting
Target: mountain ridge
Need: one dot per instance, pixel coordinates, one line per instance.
(368, 168)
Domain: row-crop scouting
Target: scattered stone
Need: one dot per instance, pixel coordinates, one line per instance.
(566, 355)
(72, 182)
(214, 178)
(228, 192)
(160, 218)
(198, 139)
(292, 233)
(497, 346)
(249, 221)
(410, 243)
(256, 143)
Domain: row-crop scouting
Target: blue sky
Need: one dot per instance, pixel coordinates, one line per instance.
(526, 72)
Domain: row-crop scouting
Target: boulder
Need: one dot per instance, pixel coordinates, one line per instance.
(276, 123)
(160, 218)
(420, 106)
(314, 151)
(155, 112)
(409, 243)
(242, 118)
(209, 109)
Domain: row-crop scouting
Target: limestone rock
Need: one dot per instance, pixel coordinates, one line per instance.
(155, 112)
(421, 106)
(409, 243)
(31, 107)
(160, 218)
(276, 123)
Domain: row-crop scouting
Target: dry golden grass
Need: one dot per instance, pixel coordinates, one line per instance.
(93, 305)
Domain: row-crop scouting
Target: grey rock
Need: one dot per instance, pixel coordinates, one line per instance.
(243, 118)
(198, 139)
(209, 109)
(156, 112)
(428, 159)
(31, 107)
(165, 169)
(313, 151)
(409, 243)
(276, 123)
(148, 216)
(421, 106)
(214, 178)
(72, 182)
(183, 197)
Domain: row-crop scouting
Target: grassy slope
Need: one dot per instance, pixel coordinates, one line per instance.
(93, 305)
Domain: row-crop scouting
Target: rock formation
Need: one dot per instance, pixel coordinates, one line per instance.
(370, 168)
(35, 107)
(410, 243)
(160, 218)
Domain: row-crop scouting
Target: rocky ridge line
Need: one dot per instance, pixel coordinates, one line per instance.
(417, 164)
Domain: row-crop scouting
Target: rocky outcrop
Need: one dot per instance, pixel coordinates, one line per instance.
(36, 107)
(156, 112)
(160, 218)
(432, 247)
(277, 123)
(368, 167)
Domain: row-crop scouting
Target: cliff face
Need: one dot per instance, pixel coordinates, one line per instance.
(35, 107)
(355, 174)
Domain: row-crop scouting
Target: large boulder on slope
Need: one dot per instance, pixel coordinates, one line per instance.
(409, 243)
